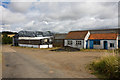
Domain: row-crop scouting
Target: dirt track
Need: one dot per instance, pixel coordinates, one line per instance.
(42, 63)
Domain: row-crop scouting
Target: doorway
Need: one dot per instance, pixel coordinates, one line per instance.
(118, 43)
(105, 45)
(91, 44)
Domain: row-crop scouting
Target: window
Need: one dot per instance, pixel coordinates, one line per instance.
(111, 44)
(78, 42)
(97, 42)
(57, 41)
(69, 42)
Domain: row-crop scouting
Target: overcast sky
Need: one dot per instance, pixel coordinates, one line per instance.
(58, 16)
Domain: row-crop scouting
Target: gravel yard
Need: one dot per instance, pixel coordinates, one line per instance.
(72, 63)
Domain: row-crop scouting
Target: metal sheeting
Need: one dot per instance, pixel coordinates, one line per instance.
(33, 38)
(35, 34)
(60, 36)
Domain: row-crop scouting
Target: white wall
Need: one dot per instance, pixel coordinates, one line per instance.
(86, 38)
(117, 42)
(101, 46)
(46, 46)
(36, 46)
(74, 44)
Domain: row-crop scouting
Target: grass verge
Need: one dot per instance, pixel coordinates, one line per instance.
(93, 50)
(106, 67)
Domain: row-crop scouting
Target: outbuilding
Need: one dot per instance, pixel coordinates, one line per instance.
(59, 39)
(103, 41)
(35, 42)
(77, 39)
(35, 39)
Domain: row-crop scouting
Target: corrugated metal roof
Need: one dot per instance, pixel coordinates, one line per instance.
(32, 38)
(76, 35)
(35, 34)
(108, 36)
(60, 36)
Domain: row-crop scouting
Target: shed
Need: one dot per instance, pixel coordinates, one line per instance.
(77, 39)
(59, 40)
(103, 41)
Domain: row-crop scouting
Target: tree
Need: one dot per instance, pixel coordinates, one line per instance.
(6, 39)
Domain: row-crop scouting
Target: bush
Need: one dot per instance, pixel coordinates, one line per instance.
(107, 65)
(6, 39)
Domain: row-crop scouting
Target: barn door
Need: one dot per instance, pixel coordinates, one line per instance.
(86, 44)
(105, 45)
(118, 43)
(91, 44)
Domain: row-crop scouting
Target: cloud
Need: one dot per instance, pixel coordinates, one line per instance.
(20, 6)
(79, 10)
(30, 24)
(61, 17)
(9, 17)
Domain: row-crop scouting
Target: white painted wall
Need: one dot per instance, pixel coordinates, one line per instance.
(101, 46)
(74, 44)
(46, 46)
(86, 38)
(36, 46)
(117, 42)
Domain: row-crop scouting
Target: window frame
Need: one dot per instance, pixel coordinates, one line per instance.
(69, 42)
(96, 42)
(112, 45)
(78, 42)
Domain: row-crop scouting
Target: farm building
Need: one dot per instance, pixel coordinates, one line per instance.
(35, 39)
(59, 40)
(98, 39)
(103, 41)
(36, 42)
(77, 39)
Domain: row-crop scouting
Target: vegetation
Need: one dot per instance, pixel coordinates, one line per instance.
(117, 51)
(108, 66)
(93, 50)
(6, 39)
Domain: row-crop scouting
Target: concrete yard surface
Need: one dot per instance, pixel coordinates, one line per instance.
(21, 62)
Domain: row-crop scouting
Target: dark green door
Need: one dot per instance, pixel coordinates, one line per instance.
(91, 44)
(118, 43)
(105, 45)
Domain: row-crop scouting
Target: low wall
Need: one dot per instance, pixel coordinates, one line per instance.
(36, 46)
